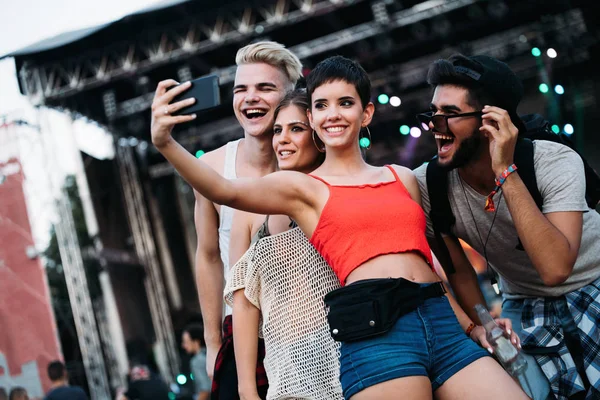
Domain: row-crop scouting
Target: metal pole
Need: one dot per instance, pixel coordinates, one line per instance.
(110, 323)
(167, 355)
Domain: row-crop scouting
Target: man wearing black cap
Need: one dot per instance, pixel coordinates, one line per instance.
(547, 260)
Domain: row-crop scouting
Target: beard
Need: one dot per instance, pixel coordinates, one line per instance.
(466, 152)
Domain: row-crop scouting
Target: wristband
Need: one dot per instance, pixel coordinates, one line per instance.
(489, 201)
(470, 329)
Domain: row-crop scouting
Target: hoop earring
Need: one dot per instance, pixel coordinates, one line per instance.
(369, 138)
(321, 149)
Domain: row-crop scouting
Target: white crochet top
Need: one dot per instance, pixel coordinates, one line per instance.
(285, 278)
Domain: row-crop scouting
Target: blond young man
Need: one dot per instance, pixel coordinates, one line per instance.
(265, 72)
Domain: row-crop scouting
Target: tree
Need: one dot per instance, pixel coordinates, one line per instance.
(59, 294)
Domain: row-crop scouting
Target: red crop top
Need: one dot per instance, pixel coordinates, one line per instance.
(360, 222)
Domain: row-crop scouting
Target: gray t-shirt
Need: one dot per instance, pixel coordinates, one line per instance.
(561, 181)
(202, 382)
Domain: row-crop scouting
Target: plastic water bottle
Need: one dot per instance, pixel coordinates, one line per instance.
(509, 356)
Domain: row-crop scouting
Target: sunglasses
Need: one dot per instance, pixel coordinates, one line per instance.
(440, 121)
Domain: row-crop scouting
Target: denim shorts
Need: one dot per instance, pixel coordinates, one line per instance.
(428, 341)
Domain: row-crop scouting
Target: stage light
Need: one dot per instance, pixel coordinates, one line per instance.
(383, 98)
(536, 52)
(544, 88)
(551, 53)
(559, 89)
(415, 132)
(405, 129)
(569, 129)
(172, 396)
(395, 101)
(306, 6)
(364, 142)
(181, 379)
(555, 129)
(199, 153)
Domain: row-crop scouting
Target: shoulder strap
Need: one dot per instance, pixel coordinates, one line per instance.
(319, 179)
(226, 213)
(441, 214)
(262, 232)
(524, 162)
(394, 172)
(442, 218)
(230, 157)
(266, 225)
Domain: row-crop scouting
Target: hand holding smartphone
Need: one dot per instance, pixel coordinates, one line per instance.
(206, 92)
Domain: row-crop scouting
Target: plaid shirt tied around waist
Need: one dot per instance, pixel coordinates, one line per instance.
(226, 354)
(544, 339)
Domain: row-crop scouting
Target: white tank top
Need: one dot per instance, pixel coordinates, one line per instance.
(226, 213)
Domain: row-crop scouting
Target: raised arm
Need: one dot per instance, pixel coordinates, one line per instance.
(208, 265)
(280, 193)
(551, 240)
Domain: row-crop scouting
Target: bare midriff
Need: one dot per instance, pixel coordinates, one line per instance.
(410, 266)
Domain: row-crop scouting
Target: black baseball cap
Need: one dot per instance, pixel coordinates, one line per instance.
(498, 80)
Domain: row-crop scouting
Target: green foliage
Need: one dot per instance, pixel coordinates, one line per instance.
(54, 268)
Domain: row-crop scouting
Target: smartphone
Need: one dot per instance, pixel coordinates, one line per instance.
(206, 92)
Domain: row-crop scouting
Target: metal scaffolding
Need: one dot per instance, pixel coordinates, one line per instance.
(139, 221)
(379, 25)
(79, 297)
(174, 43)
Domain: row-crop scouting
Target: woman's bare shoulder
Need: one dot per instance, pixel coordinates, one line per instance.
(409, 180)
(402, 171)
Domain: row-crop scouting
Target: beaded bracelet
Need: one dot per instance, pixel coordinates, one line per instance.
(470, 329)
(489, 201)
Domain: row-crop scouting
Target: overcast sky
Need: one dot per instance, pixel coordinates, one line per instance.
(25, 22)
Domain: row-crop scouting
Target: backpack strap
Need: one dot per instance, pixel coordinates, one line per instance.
(524, 162)
(442, 218)
(539, 129)
(592, 186)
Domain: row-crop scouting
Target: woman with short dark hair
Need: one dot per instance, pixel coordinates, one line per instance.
(399, 331)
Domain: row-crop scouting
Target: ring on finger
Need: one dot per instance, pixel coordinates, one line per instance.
(166, 110)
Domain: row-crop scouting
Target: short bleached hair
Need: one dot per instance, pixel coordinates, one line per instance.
(274, 54)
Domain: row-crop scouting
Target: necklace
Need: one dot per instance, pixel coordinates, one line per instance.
(491, 272)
